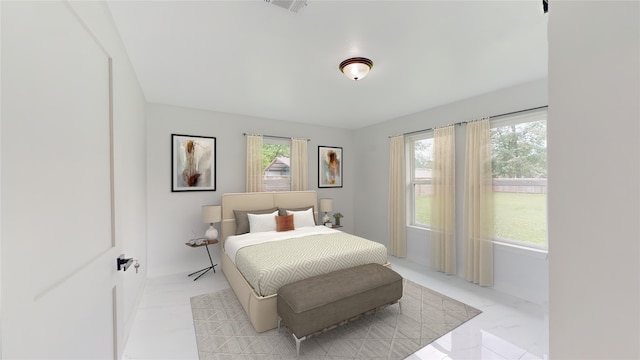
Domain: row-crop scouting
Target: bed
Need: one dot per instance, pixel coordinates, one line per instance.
(256, 291)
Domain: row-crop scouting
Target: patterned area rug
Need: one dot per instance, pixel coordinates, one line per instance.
(224, 332)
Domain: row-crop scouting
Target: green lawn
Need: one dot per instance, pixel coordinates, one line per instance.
(423, 209)
(518, 216)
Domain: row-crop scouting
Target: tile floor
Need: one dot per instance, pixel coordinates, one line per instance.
(508, 328)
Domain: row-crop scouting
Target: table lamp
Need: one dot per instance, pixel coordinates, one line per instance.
(326, 205)
(211, 214)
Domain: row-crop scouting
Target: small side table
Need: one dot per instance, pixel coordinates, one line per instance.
(205, 270)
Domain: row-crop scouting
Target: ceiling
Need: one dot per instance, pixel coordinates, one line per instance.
(254, 58)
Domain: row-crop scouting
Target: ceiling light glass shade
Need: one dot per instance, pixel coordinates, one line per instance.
(356, 68)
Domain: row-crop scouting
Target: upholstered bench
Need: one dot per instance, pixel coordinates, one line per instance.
(322, 302)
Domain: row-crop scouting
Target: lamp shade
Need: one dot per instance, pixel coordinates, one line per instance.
(356, 68)
(211, 214)
(326, 205)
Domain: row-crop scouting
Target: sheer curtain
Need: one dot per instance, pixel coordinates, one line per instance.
(397, 198)
(478, 205)
(299, 168)
(443, 234)
(254, 163)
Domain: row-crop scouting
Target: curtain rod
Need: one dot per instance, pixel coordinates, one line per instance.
(276, 137)
(491, 117)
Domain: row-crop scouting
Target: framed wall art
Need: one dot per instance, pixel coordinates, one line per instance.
(329, 167)
(193, 163)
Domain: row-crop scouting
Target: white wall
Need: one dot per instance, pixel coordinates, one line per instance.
(174, 218)
(22, 96)
(520, 273)
(594, 179)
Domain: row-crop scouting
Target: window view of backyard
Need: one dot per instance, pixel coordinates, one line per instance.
(519, 163)
(275, 162)
(422, 166)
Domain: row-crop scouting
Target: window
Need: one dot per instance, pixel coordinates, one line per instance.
(420, 154)
(276, 162)
(519, 165)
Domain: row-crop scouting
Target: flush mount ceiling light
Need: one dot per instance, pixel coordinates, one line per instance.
(356, 68)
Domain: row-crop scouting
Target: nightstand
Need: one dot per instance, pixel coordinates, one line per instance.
(205, 270)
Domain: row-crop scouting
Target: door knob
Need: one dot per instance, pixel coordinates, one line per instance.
(123, 263)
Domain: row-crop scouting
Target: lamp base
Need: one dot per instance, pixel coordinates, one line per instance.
(326, 219)
(211, 233)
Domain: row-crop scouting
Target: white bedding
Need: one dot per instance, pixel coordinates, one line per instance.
(237, 242)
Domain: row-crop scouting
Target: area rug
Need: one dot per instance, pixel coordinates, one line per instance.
(223, 330)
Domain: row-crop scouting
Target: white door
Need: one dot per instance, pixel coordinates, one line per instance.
(60, 288)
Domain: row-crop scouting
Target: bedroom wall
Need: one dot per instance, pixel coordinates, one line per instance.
(518, 272)
(174, 218)
(594, 179)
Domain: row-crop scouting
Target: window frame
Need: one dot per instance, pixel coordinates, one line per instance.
(516, 119)
(411, 181)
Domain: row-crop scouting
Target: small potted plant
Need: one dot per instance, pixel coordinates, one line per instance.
(337, 216)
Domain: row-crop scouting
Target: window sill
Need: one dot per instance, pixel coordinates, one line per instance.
(529, 251)
(417, 227)
(510, 247)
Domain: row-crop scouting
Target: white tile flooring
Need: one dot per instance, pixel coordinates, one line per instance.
(508, 328)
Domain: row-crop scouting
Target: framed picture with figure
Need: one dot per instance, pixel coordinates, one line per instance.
(329, 167)
(193, 163)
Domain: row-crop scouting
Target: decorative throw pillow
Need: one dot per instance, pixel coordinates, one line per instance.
(284, 223)
(242, 221)
(262, 222)
(302, 218)
(283, 211)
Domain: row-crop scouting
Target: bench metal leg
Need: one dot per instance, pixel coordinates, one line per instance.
(298, 342)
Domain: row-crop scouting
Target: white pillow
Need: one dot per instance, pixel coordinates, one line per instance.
(302, 218)
(262, 222)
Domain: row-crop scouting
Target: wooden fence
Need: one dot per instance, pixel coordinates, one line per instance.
(528, 186)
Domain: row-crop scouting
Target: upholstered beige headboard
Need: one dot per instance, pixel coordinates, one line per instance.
(262, 200)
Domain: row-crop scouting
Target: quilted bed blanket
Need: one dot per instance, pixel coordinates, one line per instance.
(270, 265)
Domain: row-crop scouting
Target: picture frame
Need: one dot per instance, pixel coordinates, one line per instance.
(330, 174)
(193, 163)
